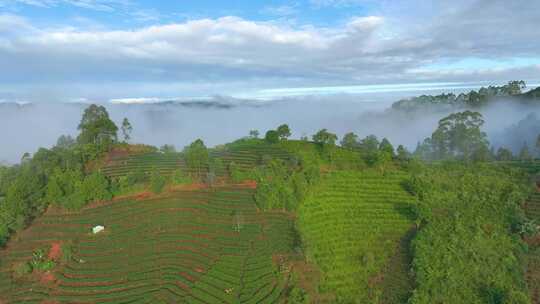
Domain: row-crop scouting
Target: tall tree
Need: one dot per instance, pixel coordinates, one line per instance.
(514, 87)
(197, 157)
(96, 127)
(402, 154)
(324, 137)
(283, 131)
(65, 142)
(504, 154)
(459, 135)
(126, 129)
(386, 147)
(254, 133)
(369, 148)
(349, 141)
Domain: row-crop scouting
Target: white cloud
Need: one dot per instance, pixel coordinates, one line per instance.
(235, 54)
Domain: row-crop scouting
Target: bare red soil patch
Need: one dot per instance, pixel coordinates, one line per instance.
(56, 251)
(249, 184)
(188, 277)
(143, 195)
(182, 286)
(47, 278)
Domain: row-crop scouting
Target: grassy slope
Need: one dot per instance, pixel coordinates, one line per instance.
(182, 247)
(353, 226)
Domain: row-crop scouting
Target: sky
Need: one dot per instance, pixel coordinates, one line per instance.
(129, 50)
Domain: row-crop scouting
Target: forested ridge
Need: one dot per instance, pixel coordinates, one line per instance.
(270, 219)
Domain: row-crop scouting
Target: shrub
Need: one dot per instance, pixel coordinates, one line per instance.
(157, 182)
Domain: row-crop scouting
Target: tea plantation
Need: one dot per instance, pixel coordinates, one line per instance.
(352, 227)
(207, 246)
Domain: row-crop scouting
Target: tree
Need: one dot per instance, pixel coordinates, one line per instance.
(65, 142)
(369, 148)
(482, 154)
(254, 133)
(96, 127)
(196, 155)
(95, 187)
(424, 150)
(271, 137)
(349, 141)
(126, 129)
(524, 153)
(323, 137)
(514, 87)
(167, 149)
(504, 154)
(402, 154)
(54, 192)
(459, 135)
(386, 147)
(26, 157)
(283, 132)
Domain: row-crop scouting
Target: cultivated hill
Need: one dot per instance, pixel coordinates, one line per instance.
(202, 246)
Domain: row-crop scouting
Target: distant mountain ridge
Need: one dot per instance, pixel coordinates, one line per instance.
(474, 99)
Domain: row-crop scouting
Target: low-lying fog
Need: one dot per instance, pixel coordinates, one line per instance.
(26, 128)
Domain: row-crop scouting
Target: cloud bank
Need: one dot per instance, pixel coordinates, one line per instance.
(25, 128)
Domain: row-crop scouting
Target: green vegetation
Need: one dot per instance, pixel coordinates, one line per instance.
(274, 220)
(351, 225)
(465, 250)
(458, 136)
(196, 156)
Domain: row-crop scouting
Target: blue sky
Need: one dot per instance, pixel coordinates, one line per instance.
(125, 14)
(102, 50)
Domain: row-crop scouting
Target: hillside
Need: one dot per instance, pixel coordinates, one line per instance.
(204, 246)
(352, 227)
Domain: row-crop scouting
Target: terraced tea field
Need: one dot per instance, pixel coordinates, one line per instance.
(353, 228)
(532, 210)
(246, 157)
(188, 247)
(164, 163)
(531, 167)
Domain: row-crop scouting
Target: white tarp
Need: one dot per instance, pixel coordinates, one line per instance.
(98, 229)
